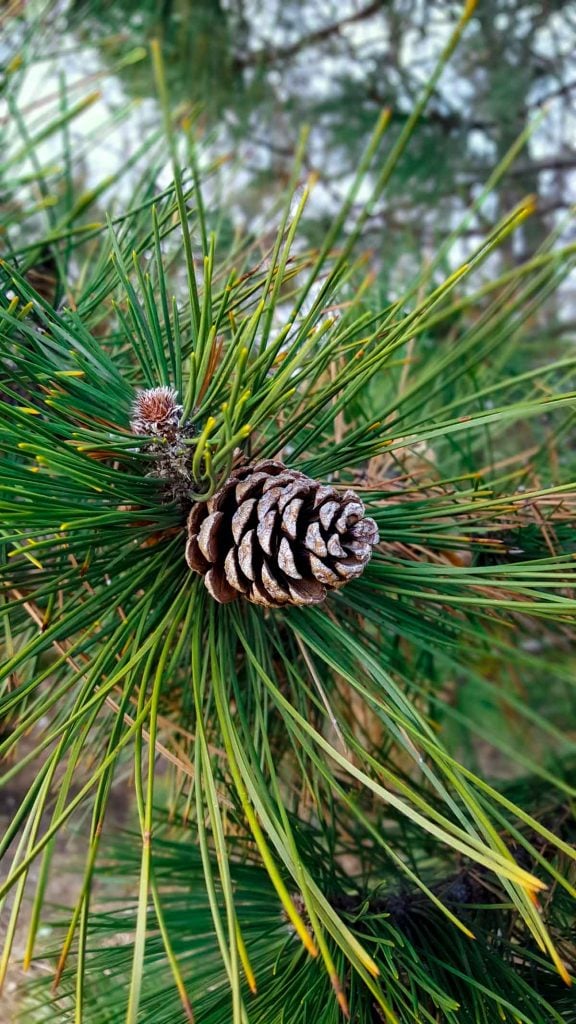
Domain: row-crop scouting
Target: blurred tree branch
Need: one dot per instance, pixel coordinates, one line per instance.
(274, 55)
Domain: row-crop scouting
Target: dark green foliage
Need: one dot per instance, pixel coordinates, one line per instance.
(409, 937)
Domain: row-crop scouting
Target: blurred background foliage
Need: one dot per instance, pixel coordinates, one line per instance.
(256, 71)
(252, 73)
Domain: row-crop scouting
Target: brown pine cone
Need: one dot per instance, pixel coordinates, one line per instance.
(278, 537)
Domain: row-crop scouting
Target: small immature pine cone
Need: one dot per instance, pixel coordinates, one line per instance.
(278, 537)
(156, 411)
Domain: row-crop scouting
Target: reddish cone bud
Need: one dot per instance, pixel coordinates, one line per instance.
(156, 411)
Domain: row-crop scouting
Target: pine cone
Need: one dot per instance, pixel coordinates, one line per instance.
(278, 537)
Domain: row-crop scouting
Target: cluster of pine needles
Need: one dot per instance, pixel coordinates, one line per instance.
(361, 809)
